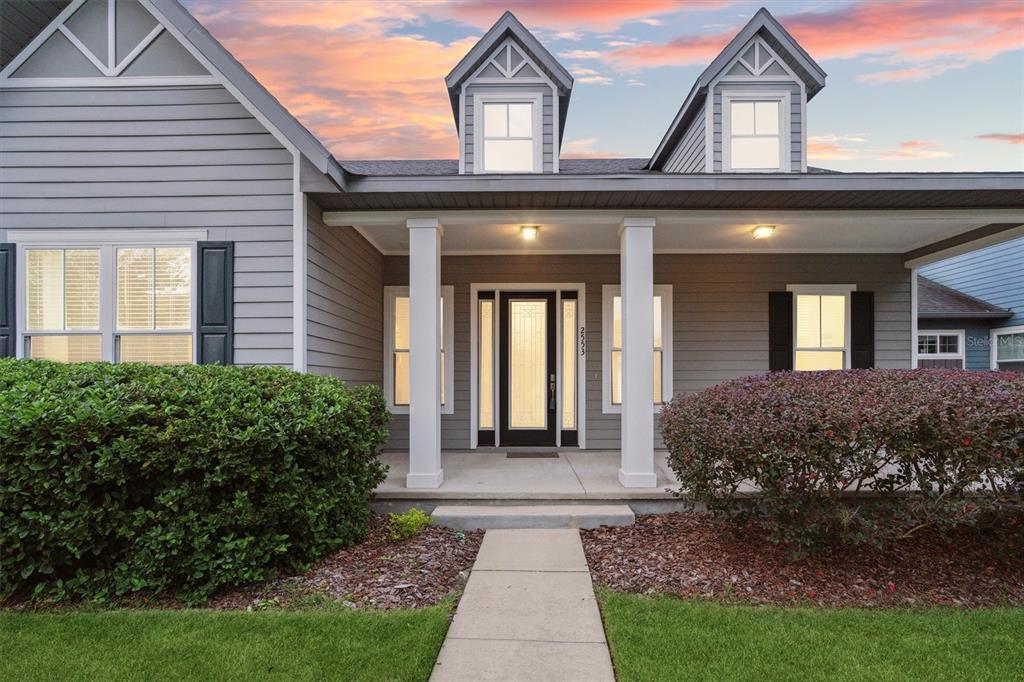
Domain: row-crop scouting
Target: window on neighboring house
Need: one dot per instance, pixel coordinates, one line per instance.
(756, 133)
(821, 329)
(662, 347)
(1008, 349)
(941, 344)
(397, 382)
(120, 304)
(509, 144)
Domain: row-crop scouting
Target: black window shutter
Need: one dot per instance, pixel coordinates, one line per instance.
(862, 329)
(780, 331)
(216, 323)
(7, 280)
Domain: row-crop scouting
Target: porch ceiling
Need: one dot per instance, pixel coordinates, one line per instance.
(589, 232)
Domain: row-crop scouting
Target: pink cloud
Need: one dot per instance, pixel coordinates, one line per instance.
(913, 149)
(929, 36)
(584, 148)
(1009, 138)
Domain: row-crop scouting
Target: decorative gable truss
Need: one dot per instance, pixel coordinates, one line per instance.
(509, 63)
(758, 61)
(104, 42)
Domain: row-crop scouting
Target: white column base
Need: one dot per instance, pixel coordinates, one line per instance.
(636, 480)
(425, 480)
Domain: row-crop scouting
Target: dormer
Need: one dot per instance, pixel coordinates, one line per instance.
(509, 96)
(747, 112)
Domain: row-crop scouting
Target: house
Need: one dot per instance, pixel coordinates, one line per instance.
(159, 205)
(962, 328)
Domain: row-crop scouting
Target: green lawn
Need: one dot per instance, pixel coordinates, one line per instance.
(193, 645)
(662, 638)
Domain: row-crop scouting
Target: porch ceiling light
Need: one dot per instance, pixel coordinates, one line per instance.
(763, 231)
(529, 232)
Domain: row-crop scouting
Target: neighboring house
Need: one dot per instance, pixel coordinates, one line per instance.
(159, 205)
(953, 329)
(994, 278)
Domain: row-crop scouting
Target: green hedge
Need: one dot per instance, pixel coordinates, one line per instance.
(121, 478)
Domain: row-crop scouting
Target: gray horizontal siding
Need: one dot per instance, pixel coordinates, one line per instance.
(688, 156)
(720, 316)
(994, 274)
(172, 157)
(796, 118)
(549, 139)
(344, 304)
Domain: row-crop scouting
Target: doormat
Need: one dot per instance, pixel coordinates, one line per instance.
(531, 455)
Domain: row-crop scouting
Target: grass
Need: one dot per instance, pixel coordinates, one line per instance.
(663, 638)
(192, 645)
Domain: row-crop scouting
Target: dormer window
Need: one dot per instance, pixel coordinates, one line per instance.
(755, 132)
(509, 141)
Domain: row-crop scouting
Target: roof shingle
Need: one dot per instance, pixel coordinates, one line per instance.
(937, 300)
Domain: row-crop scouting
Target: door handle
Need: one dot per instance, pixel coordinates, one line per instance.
(551, 392)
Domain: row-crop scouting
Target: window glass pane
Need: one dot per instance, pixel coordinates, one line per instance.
(617, 322)
(528, 385)
(657, 321)
(401, 359)
(658, 397)
(45, 299)
(82, 289)
(486, 364)
(495, 120)
(402, 322)
(156, 349)
(754, 152)
(173, 288)
(818, 360)
(616, 377)
(508, 155)
(927, 345)
(135, 278)
(833, 321)
(1010, 347)
(568, 364)
(441, 375)
(520, 120)
(767, 118)
(741, 118)
(79, 348)
(949, 344)
(808, 321)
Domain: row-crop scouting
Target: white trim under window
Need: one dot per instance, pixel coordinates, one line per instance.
(822, 346)
(447, 358)
(109, 333)
(995, 334)
(481, 135)
(937, 342)
(757, 98)
(609, 292)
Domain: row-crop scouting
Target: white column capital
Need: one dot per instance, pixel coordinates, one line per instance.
(636, 221)
(424, 223)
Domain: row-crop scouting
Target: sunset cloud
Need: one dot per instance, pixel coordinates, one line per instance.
(1009, 138)
(585, 148)
(592, 15)
(913, 149)
(833, 147)
(919, 39)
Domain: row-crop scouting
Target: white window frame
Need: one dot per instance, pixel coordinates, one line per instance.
(536, 99)
(783, 97)
(447, 303)
(994, 342)
(106, 242)
(608, 294)
(825, 290)
(961, 337)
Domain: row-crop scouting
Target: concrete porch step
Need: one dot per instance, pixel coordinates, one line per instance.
(486, 517)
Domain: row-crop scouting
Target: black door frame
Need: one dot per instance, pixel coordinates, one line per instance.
(526, 437)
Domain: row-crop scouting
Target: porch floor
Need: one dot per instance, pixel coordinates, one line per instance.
(573, 475)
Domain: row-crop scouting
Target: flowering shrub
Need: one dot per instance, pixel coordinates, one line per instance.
(125, 478)
(854, 456)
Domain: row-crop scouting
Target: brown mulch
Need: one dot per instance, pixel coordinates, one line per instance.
(378, 573)
(688, 555)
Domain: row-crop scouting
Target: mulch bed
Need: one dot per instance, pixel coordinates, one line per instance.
(379, 573)
(686, 554)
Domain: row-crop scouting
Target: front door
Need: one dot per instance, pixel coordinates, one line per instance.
(527, 355)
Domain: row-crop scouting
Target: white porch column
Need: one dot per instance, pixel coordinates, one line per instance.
(424, 353)
(637, 289)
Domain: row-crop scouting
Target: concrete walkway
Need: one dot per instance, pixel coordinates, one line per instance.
(528, 613)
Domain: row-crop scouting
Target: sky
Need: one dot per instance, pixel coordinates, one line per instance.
(913, 85)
